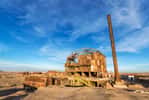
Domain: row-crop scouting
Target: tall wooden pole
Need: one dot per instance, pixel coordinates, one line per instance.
(116, 72)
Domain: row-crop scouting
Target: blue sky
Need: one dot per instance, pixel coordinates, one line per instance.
(38, 35)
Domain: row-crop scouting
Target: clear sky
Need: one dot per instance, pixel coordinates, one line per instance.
(38, 35)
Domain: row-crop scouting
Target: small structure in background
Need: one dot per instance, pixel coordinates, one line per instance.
(131, 77)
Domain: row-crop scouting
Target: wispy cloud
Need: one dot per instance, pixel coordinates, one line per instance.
(84, 16)
(85, 22)
(19, 38)
(134, 68)
(132, 42)
(135, 41)
(55, 52)
(127, 67)
(3, 48)
(48, 16)
(7, 65)
(40, 31)
(128, 22)
(129, 15)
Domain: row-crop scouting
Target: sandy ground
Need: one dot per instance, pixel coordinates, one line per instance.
(84, 93)
(10, 79)
(73, 93)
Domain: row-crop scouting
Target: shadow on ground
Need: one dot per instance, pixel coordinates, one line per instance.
(9, 91)
(13, 93)
(143, 82)
(19, 97)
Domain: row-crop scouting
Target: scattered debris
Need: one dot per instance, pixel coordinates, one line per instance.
(141, 91)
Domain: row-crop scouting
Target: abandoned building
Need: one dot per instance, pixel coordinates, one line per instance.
(87, 63)
(84, 67)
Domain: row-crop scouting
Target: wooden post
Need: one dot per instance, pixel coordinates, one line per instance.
(117, 76)
(90, 75)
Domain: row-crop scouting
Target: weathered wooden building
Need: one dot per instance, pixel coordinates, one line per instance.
(87, 63)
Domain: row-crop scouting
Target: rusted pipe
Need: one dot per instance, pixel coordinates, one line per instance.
(116, 72)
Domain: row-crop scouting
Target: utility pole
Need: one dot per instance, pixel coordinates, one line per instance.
(116, 72)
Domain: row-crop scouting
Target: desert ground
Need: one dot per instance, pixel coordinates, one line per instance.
(70, 93)
(11, 88)
(84, 93)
